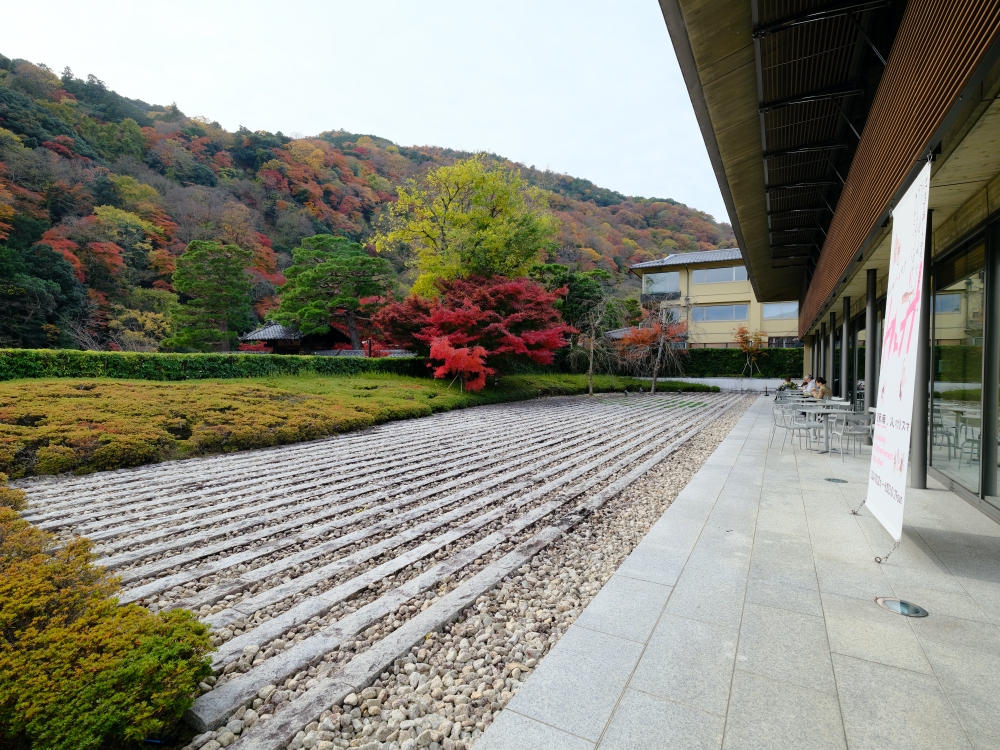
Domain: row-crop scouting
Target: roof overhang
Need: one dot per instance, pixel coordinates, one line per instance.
(788, 101)
(778, 95)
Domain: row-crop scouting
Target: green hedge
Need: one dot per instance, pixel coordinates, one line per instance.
(958, 364)
(720, 363)
(70, 363)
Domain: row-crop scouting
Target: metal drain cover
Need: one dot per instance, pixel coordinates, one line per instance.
(900, 607)
(838, 481)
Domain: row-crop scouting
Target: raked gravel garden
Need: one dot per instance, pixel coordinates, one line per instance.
(390, 589)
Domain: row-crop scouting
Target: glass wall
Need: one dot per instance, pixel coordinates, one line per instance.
(957, 324)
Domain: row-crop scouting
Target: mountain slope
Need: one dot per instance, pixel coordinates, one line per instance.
(117, 188)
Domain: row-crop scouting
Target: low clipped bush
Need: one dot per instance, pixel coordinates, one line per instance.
(70, 363)
(76, 670)
(10, 497)
(65, 425)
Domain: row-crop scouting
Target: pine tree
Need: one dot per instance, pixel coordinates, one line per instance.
(331, 276)
(213, 279)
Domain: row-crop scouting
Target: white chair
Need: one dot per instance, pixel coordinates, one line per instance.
(851, 428)
(970, 427)
(800, 426)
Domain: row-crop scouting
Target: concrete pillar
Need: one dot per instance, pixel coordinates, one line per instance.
(921, 378)
(821, 362)
(991, 363)
(845, 347)
(871, 332)
(832, 346)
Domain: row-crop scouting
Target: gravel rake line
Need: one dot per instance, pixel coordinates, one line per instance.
(87, 487)
(313, 461)
(81, 485)
(211, 709)
(186, 542)
(255, 505)
(248, 607)
(212, 567)
(322, 603)
(361, 671)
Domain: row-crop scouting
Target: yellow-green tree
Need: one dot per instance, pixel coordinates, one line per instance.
(475, 217)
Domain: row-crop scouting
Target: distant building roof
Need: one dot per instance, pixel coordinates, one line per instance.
(690, 259)
(272, 332)
(618, 334)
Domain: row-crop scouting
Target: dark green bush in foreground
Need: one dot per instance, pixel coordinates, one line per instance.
(71, 363)
(76, 670)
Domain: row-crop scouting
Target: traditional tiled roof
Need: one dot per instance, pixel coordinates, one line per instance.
(618, 333)
(272, 332)
(691, 259)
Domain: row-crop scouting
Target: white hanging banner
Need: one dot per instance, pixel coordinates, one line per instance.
(897, 376)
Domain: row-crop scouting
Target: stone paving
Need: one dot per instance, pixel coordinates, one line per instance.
(746, 619)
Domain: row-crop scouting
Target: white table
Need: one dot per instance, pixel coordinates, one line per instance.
(817, 410)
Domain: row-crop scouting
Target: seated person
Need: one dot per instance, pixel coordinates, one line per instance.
(788, 385)
(822, 390)
(807, 384)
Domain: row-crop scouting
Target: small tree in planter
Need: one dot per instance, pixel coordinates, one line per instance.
(752, 345)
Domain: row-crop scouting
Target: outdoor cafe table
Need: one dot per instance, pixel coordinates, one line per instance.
(817, 410)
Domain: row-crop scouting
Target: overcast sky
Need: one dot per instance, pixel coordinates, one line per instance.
(586, 87)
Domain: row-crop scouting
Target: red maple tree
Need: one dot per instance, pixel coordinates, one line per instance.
(476, 323)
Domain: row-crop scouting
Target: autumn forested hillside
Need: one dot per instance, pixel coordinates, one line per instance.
(99, 194)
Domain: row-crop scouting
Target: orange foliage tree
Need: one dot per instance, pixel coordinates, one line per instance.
(751, 343)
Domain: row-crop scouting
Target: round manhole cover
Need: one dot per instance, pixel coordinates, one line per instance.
(900, 607)
(837, 481)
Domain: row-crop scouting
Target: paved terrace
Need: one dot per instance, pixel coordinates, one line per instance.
(746, 619)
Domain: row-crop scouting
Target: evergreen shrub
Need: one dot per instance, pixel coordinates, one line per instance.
(71, 363)
(10, 497)
(76, 670)
(721, 363)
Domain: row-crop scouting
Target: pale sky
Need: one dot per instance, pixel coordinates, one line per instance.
(586, 87)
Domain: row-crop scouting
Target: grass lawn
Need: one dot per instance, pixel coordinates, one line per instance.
(51, 426)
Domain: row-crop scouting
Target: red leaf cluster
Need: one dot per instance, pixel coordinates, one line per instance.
(477, 319)
(467, 363)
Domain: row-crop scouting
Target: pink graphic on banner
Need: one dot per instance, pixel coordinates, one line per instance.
(891, 449)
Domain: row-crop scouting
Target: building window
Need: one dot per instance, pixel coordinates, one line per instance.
(712, 313)
(661, 283)
(947, 303)
(781, 310)
(783, 342)
(719, 275)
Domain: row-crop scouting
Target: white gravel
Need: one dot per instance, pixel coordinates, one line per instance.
(446, 692)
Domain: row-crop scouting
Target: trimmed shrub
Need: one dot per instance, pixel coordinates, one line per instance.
(76, 670)
(958, 364)
(9, 497)
(56, 426)
(721, 363)
(71, 363)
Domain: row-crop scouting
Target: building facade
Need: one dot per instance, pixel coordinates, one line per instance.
(817, 118)
(711, 292)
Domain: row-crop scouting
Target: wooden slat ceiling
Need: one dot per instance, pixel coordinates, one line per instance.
(934, 57)
(786, 83)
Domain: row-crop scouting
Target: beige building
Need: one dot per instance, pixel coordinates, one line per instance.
(710, 291)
